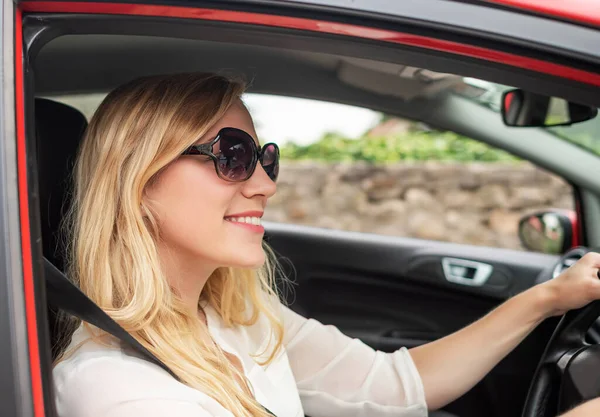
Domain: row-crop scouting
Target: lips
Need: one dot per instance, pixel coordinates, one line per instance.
(254, 213)
(249, 219)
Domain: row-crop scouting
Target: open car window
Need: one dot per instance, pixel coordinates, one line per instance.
(354, 169)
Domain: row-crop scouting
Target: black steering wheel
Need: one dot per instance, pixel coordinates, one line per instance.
(569, 371)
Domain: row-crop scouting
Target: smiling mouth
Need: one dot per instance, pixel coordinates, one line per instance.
(255, 221)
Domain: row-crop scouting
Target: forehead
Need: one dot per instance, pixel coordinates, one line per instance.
(236, 116)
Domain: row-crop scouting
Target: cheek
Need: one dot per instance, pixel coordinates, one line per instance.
(189, 201)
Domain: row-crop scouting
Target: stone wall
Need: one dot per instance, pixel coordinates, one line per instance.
(477, 204)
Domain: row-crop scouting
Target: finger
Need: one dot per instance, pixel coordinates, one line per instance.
(591, 259)
(593, 289)
(595, 275)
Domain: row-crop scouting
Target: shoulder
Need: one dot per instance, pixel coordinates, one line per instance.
(111, 369)
(95, 380)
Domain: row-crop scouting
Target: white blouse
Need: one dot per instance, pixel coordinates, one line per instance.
(320, 372)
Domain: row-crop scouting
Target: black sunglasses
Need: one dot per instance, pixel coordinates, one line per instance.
(235, 155)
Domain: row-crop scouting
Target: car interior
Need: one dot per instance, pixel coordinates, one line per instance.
(390, 292)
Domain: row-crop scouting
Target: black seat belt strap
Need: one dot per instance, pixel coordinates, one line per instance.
(63, 294)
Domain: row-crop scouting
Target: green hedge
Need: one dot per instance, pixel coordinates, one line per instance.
(412, 146)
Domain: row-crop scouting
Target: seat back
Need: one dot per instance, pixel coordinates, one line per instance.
(59, 129)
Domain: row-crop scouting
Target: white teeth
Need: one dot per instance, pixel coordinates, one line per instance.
(249, 220)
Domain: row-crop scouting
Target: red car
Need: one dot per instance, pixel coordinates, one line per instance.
(364, 53)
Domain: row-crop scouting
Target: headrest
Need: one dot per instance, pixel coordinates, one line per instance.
(59, 129)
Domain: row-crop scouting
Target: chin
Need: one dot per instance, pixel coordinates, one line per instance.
(249, 260)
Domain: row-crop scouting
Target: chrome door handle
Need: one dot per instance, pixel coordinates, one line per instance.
(462, 271)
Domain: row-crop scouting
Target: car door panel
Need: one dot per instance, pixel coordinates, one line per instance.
(333, 253)
(392, 292)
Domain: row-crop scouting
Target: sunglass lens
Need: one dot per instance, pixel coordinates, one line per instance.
(236, 155)
(270, 160)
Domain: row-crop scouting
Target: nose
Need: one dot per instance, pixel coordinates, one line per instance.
(259, 184)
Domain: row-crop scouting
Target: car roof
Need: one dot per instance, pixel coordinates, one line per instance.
(579, 11)
(338, 33)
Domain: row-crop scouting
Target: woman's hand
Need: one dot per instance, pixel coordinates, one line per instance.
(574, 288)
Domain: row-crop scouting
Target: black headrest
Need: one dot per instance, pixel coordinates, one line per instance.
(59, 129)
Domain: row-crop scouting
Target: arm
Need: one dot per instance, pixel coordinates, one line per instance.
(340, 376)
(449, 367)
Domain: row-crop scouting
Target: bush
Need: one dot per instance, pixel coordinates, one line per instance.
(412, 146)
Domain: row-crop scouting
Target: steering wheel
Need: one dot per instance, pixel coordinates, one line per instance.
(569, 370)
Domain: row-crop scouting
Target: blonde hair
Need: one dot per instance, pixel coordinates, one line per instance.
(138, 130)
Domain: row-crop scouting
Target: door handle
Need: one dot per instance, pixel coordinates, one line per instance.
(465, 272)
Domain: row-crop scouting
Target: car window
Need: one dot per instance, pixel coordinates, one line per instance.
(354, 169)
(585, 134)
(358, 170)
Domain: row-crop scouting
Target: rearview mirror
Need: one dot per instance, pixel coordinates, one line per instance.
(551, 232)
(525, 109)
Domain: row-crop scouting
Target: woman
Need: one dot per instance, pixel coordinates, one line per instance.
(170, 185)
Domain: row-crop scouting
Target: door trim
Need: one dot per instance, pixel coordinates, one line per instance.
(320, 26)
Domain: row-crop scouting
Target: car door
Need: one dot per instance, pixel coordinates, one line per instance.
(20, 387)
(396, 291)
(401, 291)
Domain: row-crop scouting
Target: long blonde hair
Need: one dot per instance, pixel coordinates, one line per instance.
(138, 130)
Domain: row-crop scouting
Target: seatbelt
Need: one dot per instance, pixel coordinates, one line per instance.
(63, 294)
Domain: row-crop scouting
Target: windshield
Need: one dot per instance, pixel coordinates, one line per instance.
(585, 134)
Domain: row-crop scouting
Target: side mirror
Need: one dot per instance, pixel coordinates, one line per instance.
(553, 232)
(525, 109)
